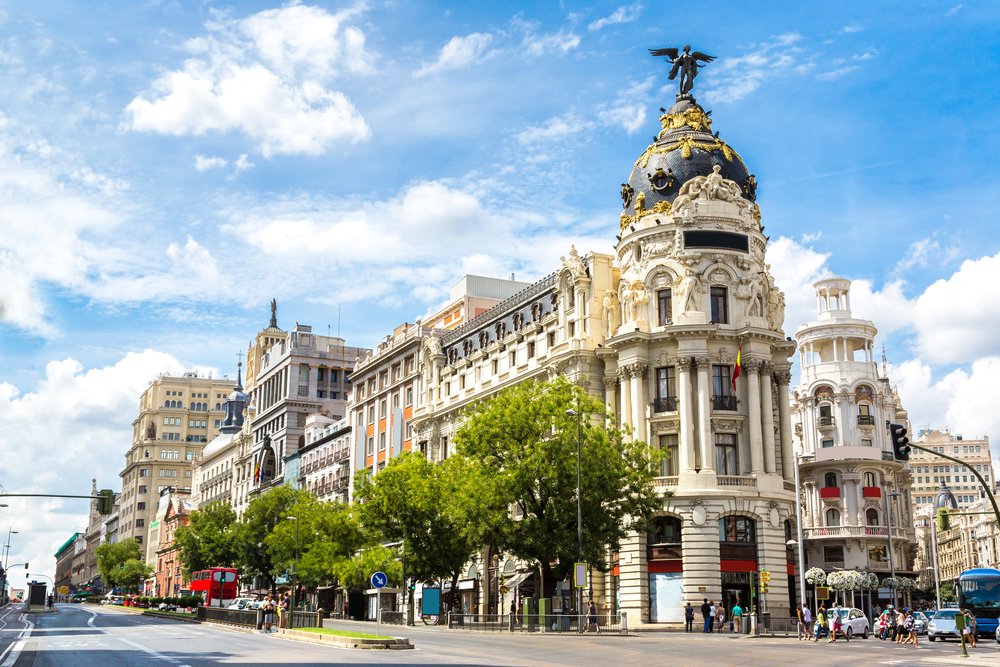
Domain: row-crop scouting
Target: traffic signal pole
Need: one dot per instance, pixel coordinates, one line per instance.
(99, 497)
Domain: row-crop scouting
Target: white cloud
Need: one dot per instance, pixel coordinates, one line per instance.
(624, 14)
(559, 42)
(184, 271)
(243, 163)
(554, 129)
(795, 268)
(628, 111)
(459, 52)
(735, 78)
(204, 162)
(265, 76)
(838, 73)
(954, 10)
(850, 29)
(77, 425)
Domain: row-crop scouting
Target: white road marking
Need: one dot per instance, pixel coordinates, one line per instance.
(144, 649)
(13, 651)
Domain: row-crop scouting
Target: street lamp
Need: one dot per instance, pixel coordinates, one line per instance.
(944, 498)
(799, 533)
(888, 530)
(579, 505)
(6, 552)
(295, 565)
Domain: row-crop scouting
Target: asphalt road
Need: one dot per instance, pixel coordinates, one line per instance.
(98, 636)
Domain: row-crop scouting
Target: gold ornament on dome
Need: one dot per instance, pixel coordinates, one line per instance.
(659, 207)
(686, 144)
(692, 117)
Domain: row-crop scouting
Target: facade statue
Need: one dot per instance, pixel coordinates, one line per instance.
(433, 345)
(639, 299)
(749, 288)
(611, 313)
(574, 263)
(714, 186)
(688, 289)
(684, 63)
(775, 309)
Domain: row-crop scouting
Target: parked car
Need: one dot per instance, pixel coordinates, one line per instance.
(920, 621)
(942, 625)
(998, 634)
(241, 603)
(853, 622)
(167, 606)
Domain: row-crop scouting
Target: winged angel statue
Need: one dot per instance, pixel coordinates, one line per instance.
(687, 63)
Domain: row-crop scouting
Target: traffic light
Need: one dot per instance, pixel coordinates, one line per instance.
(763, 588)
(943, 519)
(413, 584)
(105, 501)
(25, 567)
(900, 443)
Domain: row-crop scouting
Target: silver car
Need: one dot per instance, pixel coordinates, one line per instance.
(942, 625)
(920, 621)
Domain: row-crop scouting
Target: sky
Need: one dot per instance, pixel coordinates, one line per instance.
(167, 167)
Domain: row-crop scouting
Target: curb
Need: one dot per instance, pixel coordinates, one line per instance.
(156, 614)
(391, 643)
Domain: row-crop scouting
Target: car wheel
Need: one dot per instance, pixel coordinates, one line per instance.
(849, 634)
(864, 635)
(931, 638)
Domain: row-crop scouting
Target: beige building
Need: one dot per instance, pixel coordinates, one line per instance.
(853, 491)
(290, 375)
(654, 328)
(325, 460)
(931, 472)
(214, 477)
(177, 417)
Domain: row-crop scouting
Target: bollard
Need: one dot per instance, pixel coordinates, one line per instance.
(624, 629)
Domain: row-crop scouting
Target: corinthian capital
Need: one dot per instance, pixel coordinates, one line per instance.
(752, 365)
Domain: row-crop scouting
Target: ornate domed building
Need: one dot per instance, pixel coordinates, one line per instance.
(680, 332)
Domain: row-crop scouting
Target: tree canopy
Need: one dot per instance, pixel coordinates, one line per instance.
(526, 442)
(122, 564)
(209, 539)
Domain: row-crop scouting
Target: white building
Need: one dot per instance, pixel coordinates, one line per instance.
(849, 479)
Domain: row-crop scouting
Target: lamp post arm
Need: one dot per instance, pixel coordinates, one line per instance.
(986, 487)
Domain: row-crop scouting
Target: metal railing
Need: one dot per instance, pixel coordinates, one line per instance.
(866, 420)
(826, 422)
(723, 402)
(665, 404)
(853, 531)
(667, 481)
(248, 618)
(565, 623)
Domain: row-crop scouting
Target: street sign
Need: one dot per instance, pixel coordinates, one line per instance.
(229, 576)
(379, 580)
(765, 576)
(64, 590)
(580, 571)
(822, 592)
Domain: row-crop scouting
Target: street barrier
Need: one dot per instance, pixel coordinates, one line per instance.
(559, 623)
(247, 618)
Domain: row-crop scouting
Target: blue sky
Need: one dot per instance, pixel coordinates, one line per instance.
(166, 168)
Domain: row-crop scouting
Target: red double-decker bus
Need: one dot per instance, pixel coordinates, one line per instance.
(218, 585)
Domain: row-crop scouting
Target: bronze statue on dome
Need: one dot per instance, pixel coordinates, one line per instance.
(686, 63)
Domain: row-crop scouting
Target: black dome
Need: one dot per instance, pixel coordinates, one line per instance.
(685, 148)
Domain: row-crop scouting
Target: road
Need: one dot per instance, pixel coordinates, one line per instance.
(96, 636)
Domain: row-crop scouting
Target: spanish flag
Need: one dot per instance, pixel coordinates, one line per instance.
(256, 469)
(739, 365)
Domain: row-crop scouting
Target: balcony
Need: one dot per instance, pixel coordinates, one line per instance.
(829, 492)
(738, 480)
(898, 533)
(871, 492)
(665, 482)
(826, 423)
(866, 420)
(665, 404)
(724, 403)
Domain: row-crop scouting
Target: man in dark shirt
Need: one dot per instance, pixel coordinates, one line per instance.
(688, 618)
(706, 613)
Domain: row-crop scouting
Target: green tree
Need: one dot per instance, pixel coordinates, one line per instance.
(440, 512)
(948, 591)
(122, 564)
(320, 536)
(525, 440)
(259, 520)
(209, 538)
(354, 573)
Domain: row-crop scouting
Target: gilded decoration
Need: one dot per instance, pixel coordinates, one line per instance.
(640, 210)
(692, 117)
(686, 144)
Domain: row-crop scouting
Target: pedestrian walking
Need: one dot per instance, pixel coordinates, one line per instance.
(689, 618)
(900, 630)
(838, 625)
(822, 629)
(706, 615)
(720, 618)
(807, 619)
(712, 611)
(800, 623)
(738, 617)
(970, 628)
(911, 629)
(286, 610)
(592, 617)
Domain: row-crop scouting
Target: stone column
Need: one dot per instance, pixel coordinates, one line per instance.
(610, 396)
(638, 372)
(625, 395)
(752, 367)
(767, 417)
(686, 412)
(705, 438)
(783, 377)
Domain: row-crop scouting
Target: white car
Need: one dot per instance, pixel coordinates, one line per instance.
(853, 622)
(241, 603)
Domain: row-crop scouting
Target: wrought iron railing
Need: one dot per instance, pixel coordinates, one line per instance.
(665, 404)
(724, 402)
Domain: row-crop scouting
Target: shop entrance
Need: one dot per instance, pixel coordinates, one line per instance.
(736, 589)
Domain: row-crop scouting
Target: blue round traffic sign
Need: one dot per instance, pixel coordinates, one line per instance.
(379, 580)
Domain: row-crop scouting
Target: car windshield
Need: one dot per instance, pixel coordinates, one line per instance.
(946, 613)
(843, 612)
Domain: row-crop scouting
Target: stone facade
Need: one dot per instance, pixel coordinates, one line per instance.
(849, 479)
(325, 460)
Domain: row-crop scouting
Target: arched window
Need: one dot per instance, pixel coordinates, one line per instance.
(665, 530)
(738, 529)
(871, 516)
(833, 517)
(830, 479)
(870, 479)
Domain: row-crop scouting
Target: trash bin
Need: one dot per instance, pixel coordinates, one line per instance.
(765, 622)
